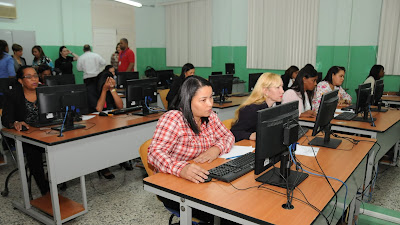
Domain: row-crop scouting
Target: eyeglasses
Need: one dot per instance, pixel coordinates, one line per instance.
(31, 76)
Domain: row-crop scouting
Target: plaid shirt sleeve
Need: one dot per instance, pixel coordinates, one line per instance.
(165, 139)
(224, 138)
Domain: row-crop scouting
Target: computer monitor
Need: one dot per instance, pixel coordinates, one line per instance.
(377, 98)
(222, 86)
(216, 73)
(253, 78)
(141, 93)
(164, 78)
(53, 101)
(6, 84)
(122, 77)
(277, 129)
(326, 113)
(363, 102)
(63, 79)
(230, 68)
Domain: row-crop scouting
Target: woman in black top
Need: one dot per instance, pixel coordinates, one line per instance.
(64, 61)
(108, 96)
(267, 92)
(20, 109)
(289, 77)
(187, 71)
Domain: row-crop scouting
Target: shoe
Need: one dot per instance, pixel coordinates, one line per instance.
(126, 165)
(106, 173)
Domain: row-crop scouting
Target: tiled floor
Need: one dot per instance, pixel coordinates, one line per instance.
(123, 200)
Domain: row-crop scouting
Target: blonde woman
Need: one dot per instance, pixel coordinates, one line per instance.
(267, 92)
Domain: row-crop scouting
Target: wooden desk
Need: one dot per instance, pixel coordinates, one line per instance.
(106, 141)
(227, 110)
(391, 99)
(262, 206)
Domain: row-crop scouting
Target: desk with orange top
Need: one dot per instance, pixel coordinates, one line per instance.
(106, 141)
(264, 206)
(391, 99)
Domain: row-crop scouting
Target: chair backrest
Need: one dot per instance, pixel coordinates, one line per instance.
(143, 155)
(228, 123)
(163, 95)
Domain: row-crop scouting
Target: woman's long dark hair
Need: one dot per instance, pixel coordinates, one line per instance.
(298, 84)
(331, 71)
(375, 70)
(3, 46)
(183, 101)
(60, 50)
(290, 71)
(185, 68)
(40, 51)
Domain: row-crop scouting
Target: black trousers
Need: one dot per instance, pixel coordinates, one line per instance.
(34, 158)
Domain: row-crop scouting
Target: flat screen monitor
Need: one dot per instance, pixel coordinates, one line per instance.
(326, 113)
(222, 86)
(122, 77)
(377, 98)
(230, 68)
(164, 78)
(363, 102)
(216, 73)
(141, 93)
(53, 102)
(277, 128)
(253, 78)
(63, 79)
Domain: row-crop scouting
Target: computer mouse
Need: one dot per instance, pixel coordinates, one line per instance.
(209, 178)
(103, 114)
(24, 128)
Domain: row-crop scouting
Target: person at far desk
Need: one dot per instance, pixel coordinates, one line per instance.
(43, 71)
(376, 73)
(108, 100)
(303, 91)
(187, 71)
(267, 92)
(289, 77)
(19, 110)
(190, 131)
(333, 81)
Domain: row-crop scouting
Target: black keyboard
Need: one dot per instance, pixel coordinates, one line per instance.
(346, 116)
(50, 123)
(240, 94)
(125, 110)
(233, 169)
(302, 131)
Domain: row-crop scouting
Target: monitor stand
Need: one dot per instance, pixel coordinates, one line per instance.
(379, 109)
(283, 177)
(145, 112)
(327, 141)
(221, 99)
(69, 123)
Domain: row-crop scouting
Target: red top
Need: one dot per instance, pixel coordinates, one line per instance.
(125, 57)
(174, 142)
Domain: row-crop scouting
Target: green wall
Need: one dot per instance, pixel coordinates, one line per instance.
(357, 60)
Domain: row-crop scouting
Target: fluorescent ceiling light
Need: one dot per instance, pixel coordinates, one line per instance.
(129, 2)
(7, 4)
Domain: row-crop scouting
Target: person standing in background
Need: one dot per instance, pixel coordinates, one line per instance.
(126, 60)
(6, 61)
(18, 59)
(40, 57)
(91, 64)
(115, 57)
(64, 61)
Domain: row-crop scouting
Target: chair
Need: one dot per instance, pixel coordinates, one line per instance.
(150, 171)
(228, 123)
(163, 95)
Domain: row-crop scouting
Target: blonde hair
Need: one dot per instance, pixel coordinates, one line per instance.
(257, 96)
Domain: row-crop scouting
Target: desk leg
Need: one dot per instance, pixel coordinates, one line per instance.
(83, 189)
(185, 213)
(351, 211)
(22, 174)
(368, 175)
(53, 189)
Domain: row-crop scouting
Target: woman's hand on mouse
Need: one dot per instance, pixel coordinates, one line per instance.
(194, 173)
(18, 125)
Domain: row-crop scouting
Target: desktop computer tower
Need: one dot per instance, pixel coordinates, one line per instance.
(229, 68)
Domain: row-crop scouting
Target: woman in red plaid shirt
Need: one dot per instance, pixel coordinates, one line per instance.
(190, 132)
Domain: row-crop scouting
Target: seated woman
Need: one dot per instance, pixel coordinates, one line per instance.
(376, 73)
(187, 71)
(190, 131)
(289, 77)
(333, 80)
(43, 71)
(267, 92)
(303, 91)
(64, 61)
(20, 109)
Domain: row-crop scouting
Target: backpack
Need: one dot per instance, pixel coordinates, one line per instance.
(150, 72)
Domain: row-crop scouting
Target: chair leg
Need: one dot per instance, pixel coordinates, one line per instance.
(5, 192)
